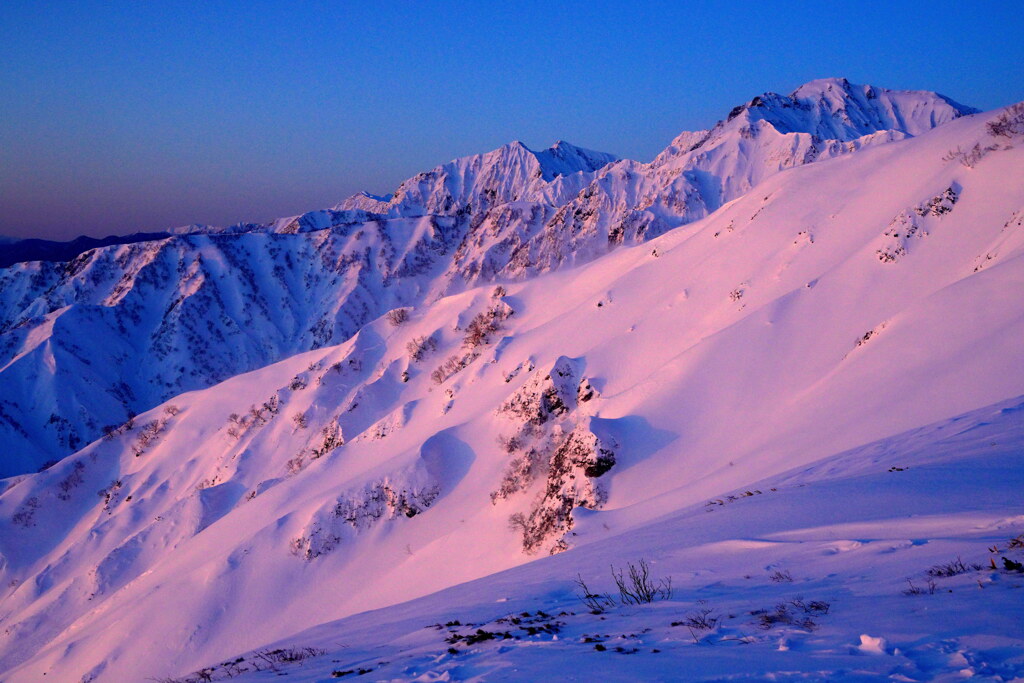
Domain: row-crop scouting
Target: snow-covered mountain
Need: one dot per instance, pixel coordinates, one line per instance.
(86, 344)
(474, 184)
(869, 302)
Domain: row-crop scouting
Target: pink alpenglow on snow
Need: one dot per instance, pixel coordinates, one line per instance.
(752, 410)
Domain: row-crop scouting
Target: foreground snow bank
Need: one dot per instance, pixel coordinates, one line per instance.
(836, 571)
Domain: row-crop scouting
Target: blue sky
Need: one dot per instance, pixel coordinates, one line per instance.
(116, 117)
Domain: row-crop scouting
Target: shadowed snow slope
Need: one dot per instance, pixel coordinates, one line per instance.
(591, 413)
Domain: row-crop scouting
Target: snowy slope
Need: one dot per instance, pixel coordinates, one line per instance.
(86, 344)
(840, 303)
(805, 576)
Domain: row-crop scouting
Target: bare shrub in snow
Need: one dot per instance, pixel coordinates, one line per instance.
(332, 439)
(360, 510)
(486, 323)
(260, 660)
(519, 474)
(913, 589)
(112, 431)
(637, 587)
(295, 465)
(148, 435)
(781, 576)
(397, 316)
(70, 482)
(952, 568)
(299, 420)
(595, 602)
(452, 365)
(1009, 124)
(257, 416)
(421, 347)
(509, 444)
(794, 613)
(478, 333)
(701, 620)
(517, 522)
(25, 515)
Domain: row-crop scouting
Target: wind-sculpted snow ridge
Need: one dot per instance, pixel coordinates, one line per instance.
(681, 401)
(205, 304)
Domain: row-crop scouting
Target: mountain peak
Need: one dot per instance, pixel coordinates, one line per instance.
(513, 145)
(564, 158)
(836, 109)
(821, 85)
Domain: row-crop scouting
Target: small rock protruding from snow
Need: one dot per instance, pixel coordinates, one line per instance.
(870, 645)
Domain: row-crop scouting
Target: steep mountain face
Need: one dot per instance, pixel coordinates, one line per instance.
(89, 343)
(840, 303)
(85, 345)
(474, 184)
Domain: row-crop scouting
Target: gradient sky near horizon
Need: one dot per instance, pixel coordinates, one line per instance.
(122, 117)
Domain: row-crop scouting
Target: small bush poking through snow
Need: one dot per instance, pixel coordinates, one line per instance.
(595, 602)
(952, 568)
(260, 660)
(421, 347)
(793, 613)
(701, 620)
(1009, 124)
(635, 586)
(478, 333)
(397, 316)
(913, 589)
(638, 587)
(486, 323)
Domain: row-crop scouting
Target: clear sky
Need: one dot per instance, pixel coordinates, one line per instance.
(117, 117)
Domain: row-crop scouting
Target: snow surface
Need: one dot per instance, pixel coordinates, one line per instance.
(819, 381)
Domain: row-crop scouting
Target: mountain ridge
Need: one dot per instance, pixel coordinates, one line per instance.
(505, 215)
